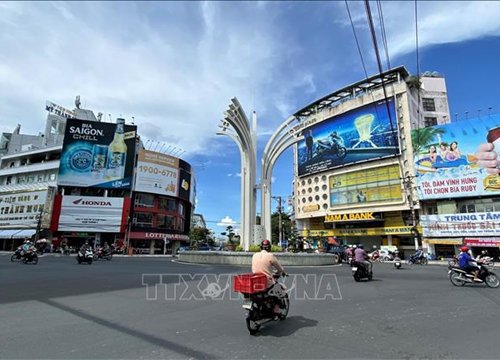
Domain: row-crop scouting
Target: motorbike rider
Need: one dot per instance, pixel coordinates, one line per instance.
(85, 247)
(264, 262)
(466, 262)
(336, 139)
(106, 249)
(361, 257)
(419, 254)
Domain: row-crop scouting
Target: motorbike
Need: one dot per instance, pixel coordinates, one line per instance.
(421, 260)
(30, 257)
(102, 254)
(85, 256)
(359, 271)
(397, 262)
(17, 256)
(330, 147)
(460, 277)
(260, 301)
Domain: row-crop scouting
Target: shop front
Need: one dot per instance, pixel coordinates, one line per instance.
(489, 244)
(443, 248)
(146, 242)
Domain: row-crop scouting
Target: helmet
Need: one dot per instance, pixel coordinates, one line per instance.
(265, 245)
(464, 249)
(361, 246)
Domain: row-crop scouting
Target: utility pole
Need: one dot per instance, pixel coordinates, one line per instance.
(280, 225)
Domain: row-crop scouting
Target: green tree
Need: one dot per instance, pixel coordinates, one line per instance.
(200, 235)
(422, 138)
(231, 235)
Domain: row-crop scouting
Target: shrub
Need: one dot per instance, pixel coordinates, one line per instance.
(254, 248)
(239, 248)
(276, 248)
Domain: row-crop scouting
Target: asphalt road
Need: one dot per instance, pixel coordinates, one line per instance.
(61, 310)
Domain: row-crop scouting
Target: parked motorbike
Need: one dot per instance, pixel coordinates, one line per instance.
(100, 253)
(360, 271)
(460, 277)
(18, 254)
(85, 256)
(30, 257)
(260, 301)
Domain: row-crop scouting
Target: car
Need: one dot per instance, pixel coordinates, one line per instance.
(182, 249)
(203, 247)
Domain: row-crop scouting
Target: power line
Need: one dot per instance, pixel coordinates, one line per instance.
(356, 38)
(382, 30)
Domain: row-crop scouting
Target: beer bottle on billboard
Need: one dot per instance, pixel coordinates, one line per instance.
(117, 153)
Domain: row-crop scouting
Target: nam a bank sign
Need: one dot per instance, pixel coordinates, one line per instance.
(364, 216)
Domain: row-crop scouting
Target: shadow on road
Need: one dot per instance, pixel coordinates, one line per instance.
(169, 345)
(287, 327)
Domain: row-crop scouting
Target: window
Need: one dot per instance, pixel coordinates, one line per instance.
(181, 209)
(430, 121)
(166, 222)
(166, 204)
(428, 104)
(143, 219)
(52, 177)
(144, 200)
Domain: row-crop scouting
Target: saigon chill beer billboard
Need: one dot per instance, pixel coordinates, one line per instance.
(97, 154)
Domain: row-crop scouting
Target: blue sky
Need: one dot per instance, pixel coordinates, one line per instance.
(174, 66)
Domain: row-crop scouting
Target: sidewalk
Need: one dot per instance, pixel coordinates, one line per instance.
(114, 255)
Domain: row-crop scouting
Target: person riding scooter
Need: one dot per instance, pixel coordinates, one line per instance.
(264, 262)
(466, 263)
(361, 257)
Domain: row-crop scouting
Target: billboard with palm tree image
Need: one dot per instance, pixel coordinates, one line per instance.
(446, 159)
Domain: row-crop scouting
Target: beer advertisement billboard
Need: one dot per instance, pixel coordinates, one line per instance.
(98, 154)
(381, 184)
(367, 133)
(446, 159)
(157, 173)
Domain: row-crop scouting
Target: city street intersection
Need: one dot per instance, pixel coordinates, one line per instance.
(59, 309)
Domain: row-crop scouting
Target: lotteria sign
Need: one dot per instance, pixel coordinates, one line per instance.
(157, 236)
(91, 214)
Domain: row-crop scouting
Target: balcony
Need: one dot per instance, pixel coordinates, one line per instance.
(30, 168)
(37, 186)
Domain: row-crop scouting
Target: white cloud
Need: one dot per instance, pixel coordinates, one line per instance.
(226, 221)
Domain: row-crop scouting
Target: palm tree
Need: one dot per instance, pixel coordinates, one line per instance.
(422, 138)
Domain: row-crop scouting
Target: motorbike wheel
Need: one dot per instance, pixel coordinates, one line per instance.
(370, 276)
(89, 261)
(285, 307)
(455, 279)
(356, 278)
(96, 256)
(252, 326)
(492, 281)
(34, 260)
(423, 261)
(79, 260)
(452, 262)
(341, 152)
(13, 258)
(109, 257)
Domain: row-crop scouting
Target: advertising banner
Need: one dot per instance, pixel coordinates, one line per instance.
(184, 185)
(367, 133)
(485, 242)
(372, 185)
(395, 230)
(91, 214)
(157, 173)
(22, 209)
(59, 110)
(97, 154)
(470, 224)
(446, 160)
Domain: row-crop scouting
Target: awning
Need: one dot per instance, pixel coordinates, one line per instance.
(17, 233)
(487, 242)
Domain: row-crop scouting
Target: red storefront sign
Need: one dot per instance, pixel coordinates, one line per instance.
(157, 236)
(482, 241)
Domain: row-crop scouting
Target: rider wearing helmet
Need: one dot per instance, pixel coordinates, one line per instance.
(466, 263)
(264, 262)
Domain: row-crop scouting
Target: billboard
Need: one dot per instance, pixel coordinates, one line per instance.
(446, 162)
(22, 209)
(157, 173)
(97, 154)
(469, 224)
(91, 214)
(367, 133)
(381, 184)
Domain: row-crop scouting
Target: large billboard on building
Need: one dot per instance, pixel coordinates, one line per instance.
(157, 173)
(446, 161)
(470, 224)
(367, 133)
(381, 184)
(97, 154)
(91, 214)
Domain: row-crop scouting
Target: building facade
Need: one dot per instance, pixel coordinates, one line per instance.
(354, 171)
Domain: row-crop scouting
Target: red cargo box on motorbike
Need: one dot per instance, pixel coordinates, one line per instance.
(249, 283)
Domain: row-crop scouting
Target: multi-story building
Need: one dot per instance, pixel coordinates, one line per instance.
(28, 171)
(354, 170)
(81, 180)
